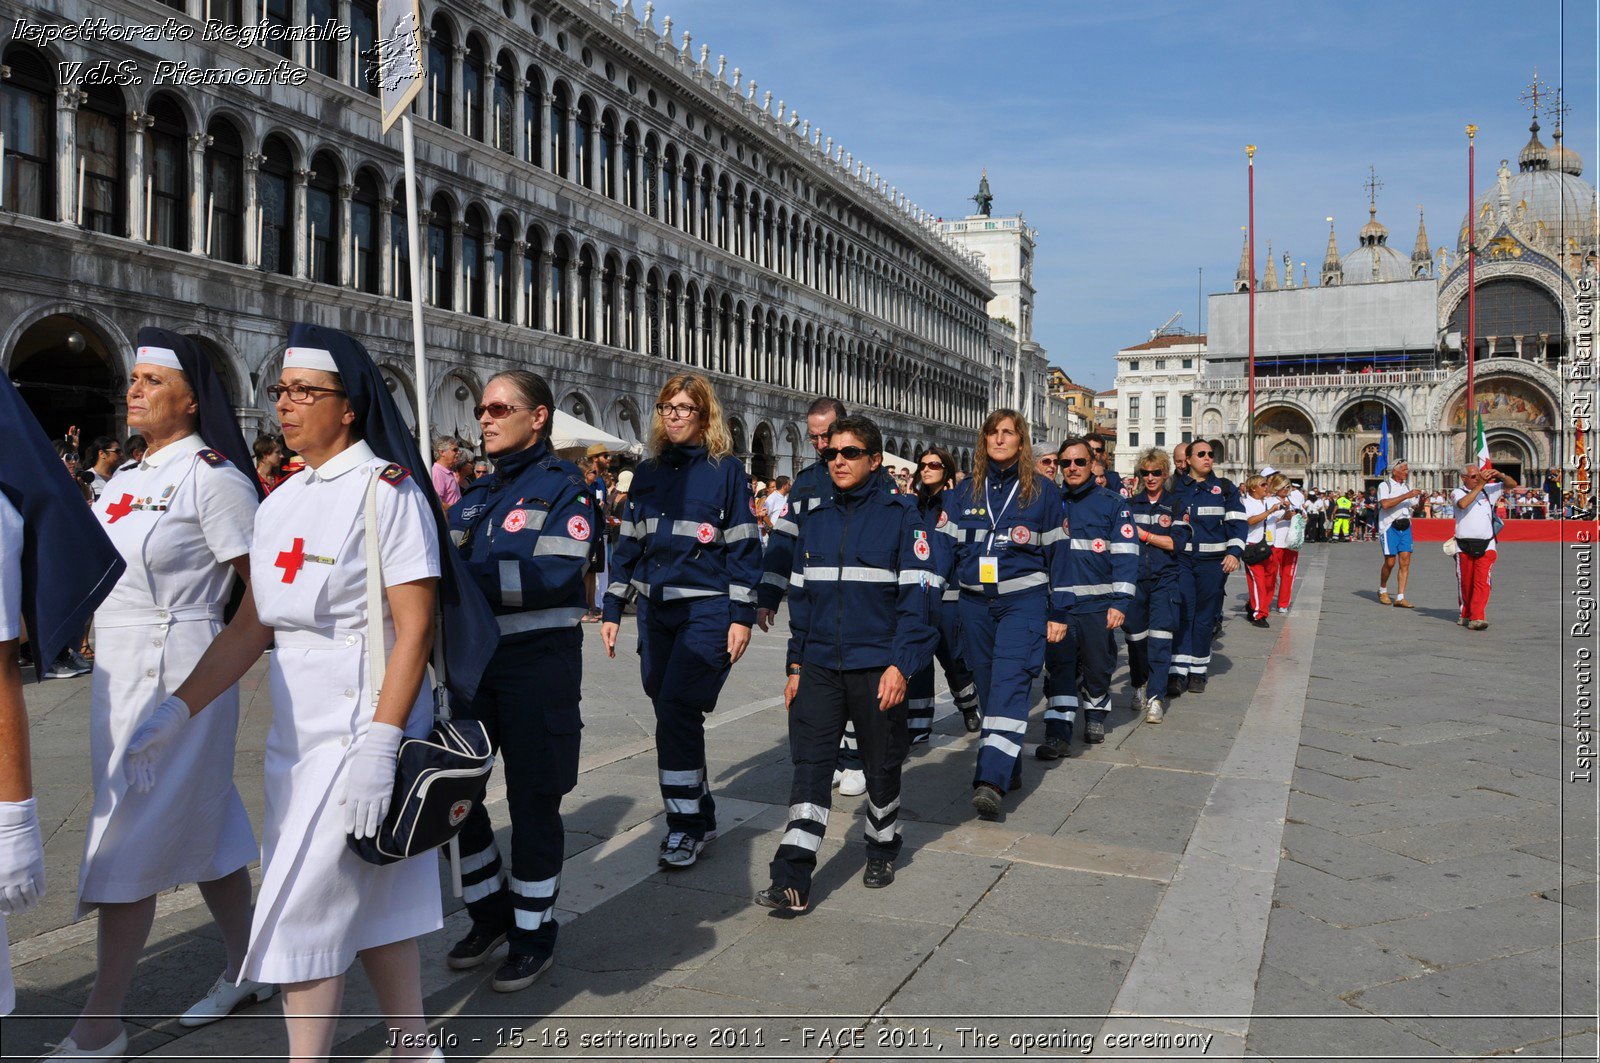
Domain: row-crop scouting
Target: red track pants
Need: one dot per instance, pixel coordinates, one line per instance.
(1283, 564)
(1472, 584)
(1260, 580)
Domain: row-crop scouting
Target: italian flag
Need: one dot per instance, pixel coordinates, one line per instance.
(1483, 447)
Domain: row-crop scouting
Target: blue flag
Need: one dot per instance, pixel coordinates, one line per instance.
(1383, 445)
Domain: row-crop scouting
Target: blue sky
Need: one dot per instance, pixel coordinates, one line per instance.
(1118, 129)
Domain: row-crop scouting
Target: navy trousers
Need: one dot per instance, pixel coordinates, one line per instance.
(1204, 585)
(1150, 629)
(1003, 640)
(919, 689)
(825, 700)
(1078, 673)
(536, 738)
(683, 656)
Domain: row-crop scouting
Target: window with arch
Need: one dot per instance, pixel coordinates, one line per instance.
(275, 208)
(1512, 308)
(560, 133)
(279, 16)
(100, 155)
(322, 221)
(608, 156)
(399, 253)
(224, 178)
(441, 273)
(585, 307)
(505, 105)
(364, 210)
(583, 144)
(363, 35)
(166, 179)
(532, 271)
(472, 88)
(324, 53)
(560, 297)
(505, 292)
(669, 183)
(630, 166)
(441, 85)
(532, 110)
(674, 348)
(27, 117)
(473, 235)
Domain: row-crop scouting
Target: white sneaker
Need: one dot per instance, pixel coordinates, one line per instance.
(1154, 711)
(852, 782)
(1138, 699)
(223, 998)
(116, 1051)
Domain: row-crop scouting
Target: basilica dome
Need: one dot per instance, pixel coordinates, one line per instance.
(1374, 259)
(1547, 204)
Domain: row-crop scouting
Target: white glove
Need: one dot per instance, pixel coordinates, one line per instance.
(370, 781)
(21, 857)
(150, 742)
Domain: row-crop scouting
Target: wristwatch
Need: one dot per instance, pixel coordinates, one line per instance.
(793, 669)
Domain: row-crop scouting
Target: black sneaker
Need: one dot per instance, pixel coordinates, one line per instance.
(520, 972)
(1258, 621)
(475, 947)
(879, 873)
(1054, 749)
(986, 800)
(65, 667)
(785, 898)
(1175, 686)
(1197, 684)
(1094, 732)
(973, 719)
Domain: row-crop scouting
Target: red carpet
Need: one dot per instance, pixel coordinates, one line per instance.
(1515, 531)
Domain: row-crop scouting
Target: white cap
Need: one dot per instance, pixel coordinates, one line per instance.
(1267, 470)
(162, 356)
(310, 358)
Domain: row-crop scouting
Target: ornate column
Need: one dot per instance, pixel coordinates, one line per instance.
(680, 339)
(519, 128)
(300, 50)
(573, 308)
(491, 281)
(252, 231)
(641, 315)
(346, 247)
(138, 205)
(458, 269)
(387, 281)
(67, 99)
(570, 144)
(198, 142)
(299, 223)
(644, 201)
(250, 12)
(458, 105)
(352, 75)
(519, 310)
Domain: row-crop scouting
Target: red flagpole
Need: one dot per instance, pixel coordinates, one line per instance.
(1472, 288)
(1250, 457)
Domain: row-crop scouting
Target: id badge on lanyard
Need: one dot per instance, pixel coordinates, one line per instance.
(989, 563)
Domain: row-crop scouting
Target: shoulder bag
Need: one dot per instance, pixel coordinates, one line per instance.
(438, 778)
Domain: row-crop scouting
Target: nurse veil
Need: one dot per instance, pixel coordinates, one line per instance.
(330, 757)
(182, 519)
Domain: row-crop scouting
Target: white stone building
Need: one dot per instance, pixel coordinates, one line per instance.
(1155, 391)
(602, 201)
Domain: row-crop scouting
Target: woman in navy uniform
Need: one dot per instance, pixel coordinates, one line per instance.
(690, 549)
(525, 533)
(935, 468)
(1011, 557)
(1152, 620)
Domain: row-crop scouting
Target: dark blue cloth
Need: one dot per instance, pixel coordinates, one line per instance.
(1078, 667)
(1103, 549)
(468, 628)
(218, 426)
(811, 484)
(68, 563)
(1215, 515)
(683, 658)
(1025, 535)
(1164, 516)
(1151, 628)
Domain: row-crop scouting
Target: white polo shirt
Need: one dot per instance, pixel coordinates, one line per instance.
(1477, 521)
(1391, 488)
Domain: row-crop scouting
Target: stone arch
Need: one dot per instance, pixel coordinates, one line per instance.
(69, 363)
(396, 376)
(763, 453)
(450, 407)
(630, 420)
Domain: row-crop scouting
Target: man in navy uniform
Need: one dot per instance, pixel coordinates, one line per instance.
(1215, 515)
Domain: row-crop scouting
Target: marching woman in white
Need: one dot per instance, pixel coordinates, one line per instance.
(182, 520)
(330, 757)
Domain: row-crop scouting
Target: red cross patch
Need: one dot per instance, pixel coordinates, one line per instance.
(1019, 535)
(1164, 520)
(515, 521)
(1064, 522)
(578, 528)
(706, 533)
(1099, 546)
(119, 509)
(1127, 531)
(921, 549)
(458, 811)
(944, 518)
(292, 560)
(1216, 489)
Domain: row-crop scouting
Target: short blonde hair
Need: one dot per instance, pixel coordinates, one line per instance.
(1278, 482)
(718, 441)
(1254, 482)
(1154, 456)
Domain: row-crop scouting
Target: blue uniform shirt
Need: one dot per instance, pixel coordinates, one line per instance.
(1103, 547)
(1026, 537)
(811, 485)
(1164, 516)
(525, 532)
(863, 586)
(1215, 515)
(687, 532)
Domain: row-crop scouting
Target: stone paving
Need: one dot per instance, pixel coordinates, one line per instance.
(1357, 843)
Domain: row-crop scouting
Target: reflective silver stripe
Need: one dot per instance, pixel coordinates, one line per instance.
(533, 920)
(1007, 586)
(1081, 544)
(641, 586)
(772, 579)
(1210, 511)
(885, 834)
(797, 580)
(952, 594)
(885, 810)
(1145, 518)
(511, 583)
(628, 530)
(540, 619)
(683, 806)
(801, 839)
(1235, 542)
(1161, 635)
(1086, 590)
(1001, 723)
(785, 526)
(487, 888)
(1124, 548)
(692, 777)
(1051, 537)
(742, 531)
(617, 590)
(1004, 745)
(807, 810)
(558, 544)
(1063, 701)
(950, 529)
(1061, 714)
(479, 860)
(1239, 514)
(458, 536)
(542, 887)
(862, 574)
(918, 577)
(917, 703)
(1211, 548)
(673, 594)
(1135, 636)
(535, 518)
(741, 595)
(690, 529)
(818, 574)
(1129, 589)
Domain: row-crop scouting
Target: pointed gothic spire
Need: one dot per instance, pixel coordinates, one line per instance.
(1241, 278)
(1332, 269)
(1421, 258)
(1270, 284)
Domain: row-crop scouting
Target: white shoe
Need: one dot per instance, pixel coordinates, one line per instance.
(1138, 700)
(852, 782)
(116, 1051)
(1154, 711)
(223, 998)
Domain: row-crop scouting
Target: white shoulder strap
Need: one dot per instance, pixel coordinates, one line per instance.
(375, 636)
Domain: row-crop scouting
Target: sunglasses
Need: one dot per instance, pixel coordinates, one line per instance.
(1199, 453)
(1047, 461)
(1077, 462)
(496, 410)
(848, 453)
(930, 465)
(1151, 472)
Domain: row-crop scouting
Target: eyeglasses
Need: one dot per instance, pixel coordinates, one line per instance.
(495, 410)
(1075, 462)
(820, 437)
(680, 411)
(930, 465)
(1199, 453)
(300, 394)
(1047, 461)
(1151, 472)
(848, 453)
